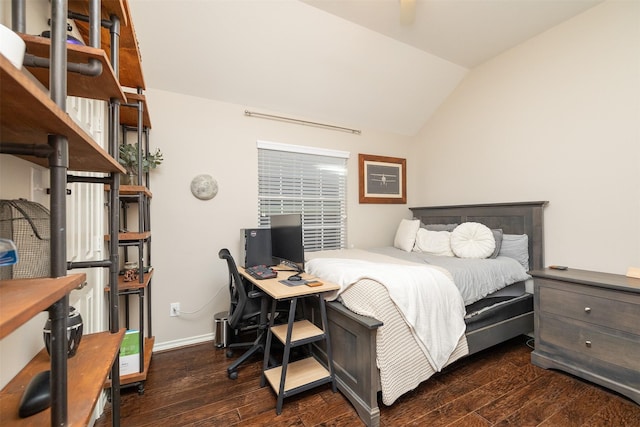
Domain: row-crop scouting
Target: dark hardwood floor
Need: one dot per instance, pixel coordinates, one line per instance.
(497, 387)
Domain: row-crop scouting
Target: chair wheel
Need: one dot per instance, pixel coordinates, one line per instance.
(229, 353)
(233, 375)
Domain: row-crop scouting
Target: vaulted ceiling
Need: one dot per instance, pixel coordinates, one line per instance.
(347, 62)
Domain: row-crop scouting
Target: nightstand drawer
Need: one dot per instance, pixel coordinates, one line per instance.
(581, 338)
(597, 306)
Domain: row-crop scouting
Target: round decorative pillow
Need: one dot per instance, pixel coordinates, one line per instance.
(472, 240)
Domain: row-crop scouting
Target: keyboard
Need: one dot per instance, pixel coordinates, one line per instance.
(261, 272)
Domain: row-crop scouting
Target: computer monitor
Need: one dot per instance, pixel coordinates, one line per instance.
(286, 240)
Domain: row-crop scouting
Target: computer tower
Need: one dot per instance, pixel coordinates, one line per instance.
(255, 247)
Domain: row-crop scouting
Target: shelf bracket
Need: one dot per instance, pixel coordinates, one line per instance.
(93, 68)
(17, 149)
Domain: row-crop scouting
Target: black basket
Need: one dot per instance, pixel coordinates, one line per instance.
(28, 225)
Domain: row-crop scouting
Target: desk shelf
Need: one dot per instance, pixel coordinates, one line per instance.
(301, 375)
(303, 332)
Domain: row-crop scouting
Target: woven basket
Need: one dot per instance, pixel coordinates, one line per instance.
(27, 224)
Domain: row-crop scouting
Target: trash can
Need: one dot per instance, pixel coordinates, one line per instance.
(222, 329)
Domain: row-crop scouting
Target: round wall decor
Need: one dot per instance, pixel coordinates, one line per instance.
(204, 187)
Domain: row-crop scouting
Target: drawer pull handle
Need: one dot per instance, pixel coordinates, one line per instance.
(587, 343)
(587, 309)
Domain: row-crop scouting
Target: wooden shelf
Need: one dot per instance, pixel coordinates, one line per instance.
(127, 286)
(129, 115)
(21, 299)
(109, 7)
(141, 376)
(103, 87)
(130, 190)
(130, 236)
(137, 376)
(303, 330)
(130, 72)
(29, 116)
(301, 373)
(87, 371)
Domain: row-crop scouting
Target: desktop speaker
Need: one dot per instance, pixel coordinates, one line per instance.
(255, 247)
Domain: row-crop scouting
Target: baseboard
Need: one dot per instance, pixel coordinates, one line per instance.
(182, 342)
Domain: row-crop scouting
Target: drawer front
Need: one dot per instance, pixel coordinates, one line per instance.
(608, 345)
(607, 308)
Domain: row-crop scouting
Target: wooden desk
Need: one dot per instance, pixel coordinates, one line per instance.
(279, 291)
(301, 375)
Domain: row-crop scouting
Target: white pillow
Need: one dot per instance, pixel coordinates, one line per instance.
(433, 242)
(406, 234)
(472, 240)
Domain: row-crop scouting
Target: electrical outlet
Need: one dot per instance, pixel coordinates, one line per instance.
(174, 309)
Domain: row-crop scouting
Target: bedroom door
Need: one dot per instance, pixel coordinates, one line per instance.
(86, 227)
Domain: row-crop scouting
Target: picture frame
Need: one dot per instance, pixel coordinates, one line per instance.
(382, 179)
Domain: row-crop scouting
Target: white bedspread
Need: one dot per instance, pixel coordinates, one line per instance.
(401, 364)
(427, 299)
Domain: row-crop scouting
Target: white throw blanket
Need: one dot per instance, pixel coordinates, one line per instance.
(427, 298)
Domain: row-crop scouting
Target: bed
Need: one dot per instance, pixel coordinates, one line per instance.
(359, 341)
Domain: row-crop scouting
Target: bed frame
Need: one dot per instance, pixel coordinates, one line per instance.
(353, 337)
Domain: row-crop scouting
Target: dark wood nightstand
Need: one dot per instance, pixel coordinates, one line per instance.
(588, 324)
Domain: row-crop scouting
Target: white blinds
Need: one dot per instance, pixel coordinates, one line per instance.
(313, 185)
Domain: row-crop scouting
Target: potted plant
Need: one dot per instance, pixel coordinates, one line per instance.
(129, 159)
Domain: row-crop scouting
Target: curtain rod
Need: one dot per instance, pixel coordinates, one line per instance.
(302, 122)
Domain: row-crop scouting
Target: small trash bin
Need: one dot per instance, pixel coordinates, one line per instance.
(222, 329)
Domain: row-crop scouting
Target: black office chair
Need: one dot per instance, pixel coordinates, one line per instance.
(247, 312)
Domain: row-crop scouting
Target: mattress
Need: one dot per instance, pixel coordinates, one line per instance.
(475, 278)
(504, 304)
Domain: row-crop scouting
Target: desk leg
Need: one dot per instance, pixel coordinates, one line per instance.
(267, 346)
(285, 356)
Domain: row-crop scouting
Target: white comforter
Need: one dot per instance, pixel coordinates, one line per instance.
(427, 299)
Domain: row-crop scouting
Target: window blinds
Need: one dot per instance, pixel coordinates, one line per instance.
(293, 179)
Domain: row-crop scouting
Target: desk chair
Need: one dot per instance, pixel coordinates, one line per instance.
(248, 311)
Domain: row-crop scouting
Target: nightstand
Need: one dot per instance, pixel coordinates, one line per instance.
(588, 324)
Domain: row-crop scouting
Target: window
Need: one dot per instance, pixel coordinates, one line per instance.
(309, 181)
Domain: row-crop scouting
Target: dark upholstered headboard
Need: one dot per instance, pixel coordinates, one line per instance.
(512, 218)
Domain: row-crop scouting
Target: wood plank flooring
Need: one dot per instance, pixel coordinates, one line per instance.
(497, 387)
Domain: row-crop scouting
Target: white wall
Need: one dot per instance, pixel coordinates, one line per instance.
(21, 345)
(200, 136)
(556, 118)
(15, 182)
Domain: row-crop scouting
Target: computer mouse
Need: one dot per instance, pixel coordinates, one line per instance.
(294, 278)
(36, 396)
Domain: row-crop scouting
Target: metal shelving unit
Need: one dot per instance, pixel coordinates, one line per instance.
(34, 125)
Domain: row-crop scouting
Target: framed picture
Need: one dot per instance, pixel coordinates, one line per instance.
(382, 179)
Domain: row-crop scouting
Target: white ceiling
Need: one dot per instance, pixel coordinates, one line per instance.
(346, 62)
